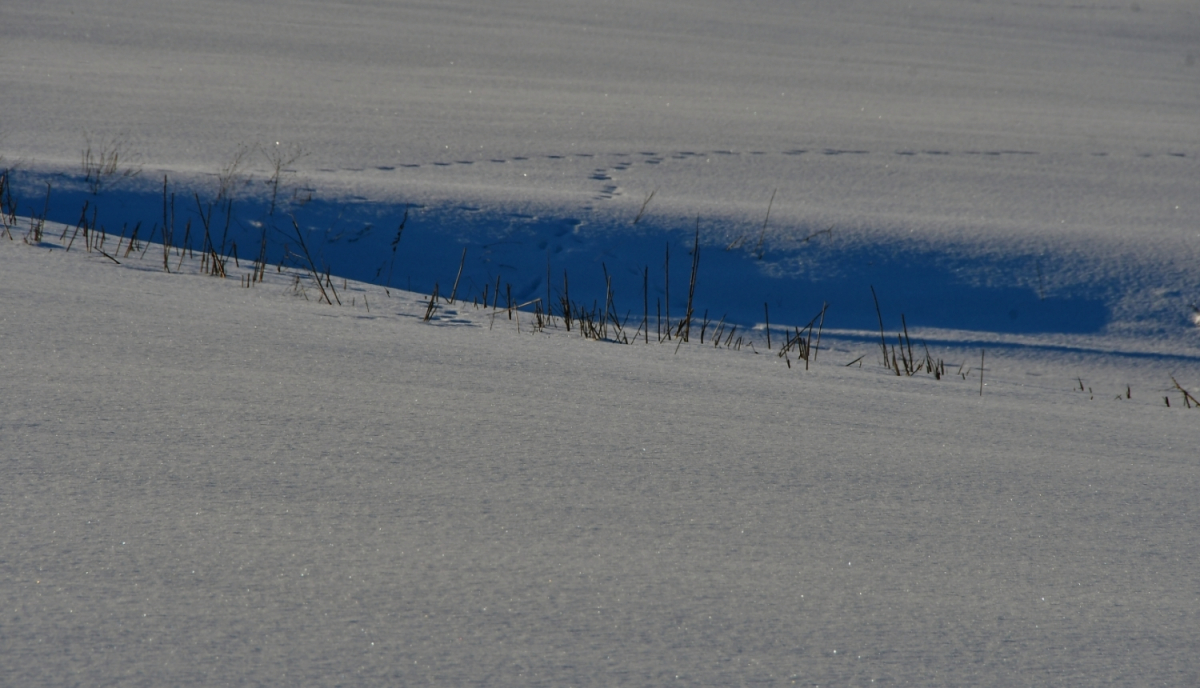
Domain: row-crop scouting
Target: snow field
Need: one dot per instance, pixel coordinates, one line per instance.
(206, 483)
(202, 483)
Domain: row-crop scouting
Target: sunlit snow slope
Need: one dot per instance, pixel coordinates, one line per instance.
(207, 484)
(990, 155)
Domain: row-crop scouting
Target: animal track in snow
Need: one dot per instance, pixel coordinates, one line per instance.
(605, 177)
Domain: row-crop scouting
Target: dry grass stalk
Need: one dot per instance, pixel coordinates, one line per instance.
(9, 205)
(882, 338)
(667, 283)
(133, 240)
(1188, 399)
(685, 325)
(8, 209)
(105, 159)
(981, 355)
(82, 223)
(316, 276)
(820, 327)
(37, 225)
(758, 250)
(767, 320)
(566, 302)
(433, 304)
(646, 305)
(332, 289)
(395, 245)
(280, 157)
(641, 211)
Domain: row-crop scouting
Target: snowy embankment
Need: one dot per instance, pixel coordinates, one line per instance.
(988, 167)
(212, 483)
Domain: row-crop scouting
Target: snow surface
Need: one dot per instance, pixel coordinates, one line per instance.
(211, 484)
(986, 154)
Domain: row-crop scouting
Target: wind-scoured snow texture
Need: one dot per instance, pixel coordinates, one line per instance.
(1035, 147)
(206, 484)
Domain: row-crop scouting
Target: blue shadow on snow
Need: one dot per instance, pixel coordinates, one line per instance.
(355, 238)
